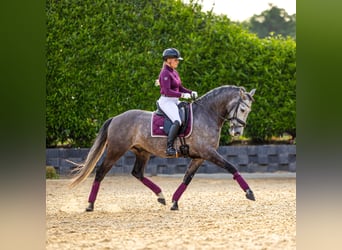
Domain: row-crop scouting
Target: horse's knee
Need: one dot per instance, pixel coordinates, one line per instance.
(137, 174)
(230, 168)
(187, 179)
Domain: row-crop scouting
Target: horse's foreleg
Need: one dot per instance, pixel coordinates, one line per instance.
(243, 184)
(189, 174)
(141, 160)
(217, 159)
(155, 189)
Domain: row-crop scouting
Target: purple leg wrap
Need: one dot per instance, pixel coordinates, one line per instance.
(151, 185)
(180, 190)
(93, 193)
(243, 184)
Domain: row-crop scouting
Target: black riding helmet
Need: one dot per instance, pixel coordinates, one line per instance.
(171, 53)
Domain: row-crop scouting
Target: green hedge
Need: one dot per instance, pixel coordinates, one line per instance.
(103, 58)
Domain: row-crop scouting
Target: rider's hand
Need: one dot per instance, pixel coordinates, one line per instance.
(194, 94)
(186, 96)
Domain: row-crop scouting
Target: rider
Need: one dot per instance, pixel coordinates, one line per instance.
(171, 90)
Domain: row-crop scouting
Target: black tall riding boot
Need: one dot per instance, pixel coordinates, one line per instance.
(171, 138)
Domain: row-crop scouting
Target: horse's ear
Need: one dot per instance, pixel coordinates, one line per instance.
(250, 94)
(243, 93)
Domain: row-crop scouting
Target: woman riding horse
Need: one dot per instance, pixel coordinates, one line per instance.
(210, 112)
(171, 89)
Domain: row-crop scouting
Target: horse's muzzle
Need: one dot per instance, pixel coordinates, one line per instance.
(236, 131)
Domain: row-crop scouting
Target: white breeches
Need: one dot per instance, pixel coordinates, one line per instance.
(170, 108)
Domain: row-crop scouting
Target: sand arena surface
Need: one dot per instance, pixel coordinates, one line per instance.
(213, 214)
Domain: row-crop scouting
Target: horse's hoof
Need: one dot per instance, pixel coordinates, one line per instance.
(174, 206)
(161, 198)
(250, 195)
(90, 208)
(162, 201)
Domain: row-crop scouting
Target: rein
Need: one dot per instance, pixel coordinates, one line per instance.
(234, 117)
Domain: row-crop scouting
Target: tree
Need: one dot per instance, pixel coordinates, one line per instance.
(272, 21)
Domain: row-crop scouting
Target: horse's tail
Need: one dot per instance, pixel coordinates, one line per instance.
(95, 152)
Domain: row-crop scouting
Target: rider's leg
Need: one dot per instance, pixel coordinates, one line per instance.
(170, 150)
(170, 108)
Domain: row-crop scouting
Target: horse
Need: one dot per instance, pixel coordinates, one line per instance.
(131, 130)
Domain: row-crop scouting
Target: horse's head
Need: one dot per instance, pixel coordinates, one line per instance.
(238, 114)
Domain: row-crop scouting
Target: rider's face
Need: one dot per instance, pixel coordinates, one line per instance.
(173, 62)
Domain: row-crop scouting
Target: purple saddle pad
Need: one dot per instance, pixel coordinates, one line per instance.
(157, 125)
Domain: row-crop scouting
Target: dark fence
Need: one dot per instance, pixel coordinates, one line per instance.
(251, 159)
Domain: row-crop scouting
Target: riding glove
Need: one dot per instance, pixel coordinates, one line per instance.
(186, 96)
(194, 94)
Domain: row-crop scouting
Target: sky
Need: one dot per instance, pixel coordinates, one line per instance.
(240, 10)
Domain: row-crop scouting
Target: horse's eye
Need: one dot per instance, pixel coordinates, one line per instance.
(242, 110)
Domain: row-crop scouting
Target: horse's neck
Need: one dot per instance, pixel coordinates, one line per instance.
(213, 110)
(220, 100)
(217, 103)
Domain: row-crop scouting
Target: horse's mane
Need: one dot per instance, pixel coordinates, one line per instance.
(216, 92)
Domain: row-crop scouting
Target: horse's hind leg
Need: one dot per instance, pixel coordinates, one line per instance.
(101, 171)
(189, 174)
(141, 160)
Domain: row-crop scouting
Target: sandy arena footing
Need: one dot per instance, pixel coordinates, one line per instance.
(214, 214)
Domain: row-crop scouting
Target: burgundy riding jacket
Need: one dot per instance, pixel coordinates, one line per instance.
(170, 83)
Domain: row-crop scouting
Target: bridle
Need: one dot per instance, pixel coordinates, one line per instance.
(234, 117)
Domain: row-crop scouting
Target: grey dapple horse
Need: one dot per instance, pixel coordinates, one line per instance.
(131, 130)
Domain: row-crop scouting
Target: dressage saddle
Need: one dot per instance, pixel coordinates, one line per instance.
(184, 113)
